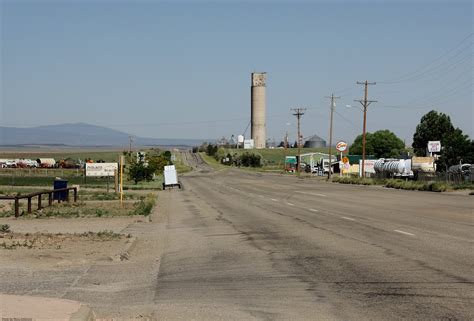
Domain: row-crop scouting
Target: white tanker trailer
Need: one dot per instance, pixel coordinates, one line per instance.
(405, 168)
(394, 167)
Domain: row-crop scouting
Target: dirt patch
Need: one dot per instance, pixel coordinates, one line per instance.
(11, 241)
(60, 249)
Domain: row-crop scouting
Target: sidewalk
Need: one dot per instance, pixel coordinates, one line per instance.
(28, 308)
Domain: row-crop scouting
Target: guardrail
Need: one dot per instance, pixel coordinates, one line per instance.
(39, 194)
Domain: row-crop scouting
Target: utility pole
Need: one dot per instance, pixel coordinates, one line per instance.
(298, 112)
(365, 104)
(333, 106)
(130, 138)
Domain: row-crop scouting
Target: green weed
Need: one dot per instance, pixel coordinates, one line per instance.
(145, 206)
(5, 228)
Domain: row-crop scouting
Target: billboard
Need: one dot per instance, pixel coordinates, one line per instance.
(101, 169)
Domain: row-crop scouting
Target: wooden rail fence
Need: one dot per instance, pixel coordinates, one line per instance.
(39, 194)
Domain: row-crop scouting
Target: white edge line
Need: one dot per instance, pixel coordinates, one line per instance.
(403, 232)
(275, 200)
(313, 210)
(291, 204)
(348, 218)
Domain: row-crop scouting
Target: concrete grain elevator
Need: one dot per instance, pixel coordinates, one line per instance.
(258, 106)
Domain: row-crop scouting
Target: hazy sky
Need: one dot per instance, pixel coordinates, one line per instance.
(182, 68)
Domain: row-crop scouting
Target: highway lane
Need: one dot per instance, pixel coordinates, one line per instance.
(252, 246)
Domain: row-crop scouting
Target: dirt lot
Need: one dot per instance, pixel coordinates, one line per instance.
(40, 249)
(62, 241)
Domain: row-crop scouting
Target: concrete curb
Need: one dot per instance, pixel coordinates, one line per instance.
(125, 253)
(84, 314)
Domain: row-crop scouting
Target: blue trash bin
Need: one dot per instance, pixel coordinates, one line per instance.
(58, 184)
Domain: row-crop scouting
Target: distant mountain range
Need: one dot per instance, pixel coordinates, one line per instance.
(81, 134)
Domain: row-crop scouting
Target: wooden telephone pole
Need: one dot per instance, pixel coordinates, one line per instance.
(333, 106)
(298, 112)
(365, 104)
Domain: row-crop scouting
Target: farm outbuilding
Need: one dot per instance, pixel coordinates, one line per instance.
(314, 142)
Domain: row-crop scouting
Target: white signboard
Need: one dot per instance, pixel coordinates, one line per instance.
(170, 175)
(248, 144)
(434, 146)
(368, 167)
(101, 169)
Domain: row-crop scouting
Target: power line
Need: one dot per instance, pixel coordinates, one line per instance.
(410, 74)
(432, 71)
(347, 120)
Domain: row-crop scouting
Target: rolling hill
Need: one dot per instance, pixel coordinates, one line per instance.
(81, 134)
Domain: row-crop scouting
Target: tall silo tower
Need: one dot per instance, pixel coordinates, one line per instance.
(258, 106)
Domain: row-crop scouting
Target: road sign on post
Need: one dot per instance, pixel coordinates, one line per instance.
(434, 146)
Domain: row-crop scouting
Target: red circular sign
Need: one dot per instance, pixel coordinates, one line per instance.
(341, 146)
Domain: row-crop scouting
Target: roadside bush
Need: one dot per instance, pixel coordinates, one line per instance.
(353, 180)
(145, 206)
(438, 187)
(417, 186)
(250, 160)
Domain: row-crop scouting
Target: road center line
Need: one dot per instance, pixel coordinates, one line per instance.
(348, 218)
(403, 232)
(275, 200)
(308, 193)
(313, 210)
(291, 204)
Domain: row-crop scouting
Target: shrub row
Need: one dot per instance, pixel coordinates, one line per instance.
(418, 186)
(354, 180)
(394, 183)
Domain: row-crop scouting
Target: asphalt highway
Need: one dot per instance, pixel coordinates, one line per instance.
(241, 245)
(246, 246)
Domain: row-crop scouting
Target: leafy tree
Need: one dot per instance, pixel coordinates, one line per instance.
(157, 163)
(456, 148)
(140, 170)
(211, 150)
(432, 126)
(137, 172)
(382, 143)
(167, 155)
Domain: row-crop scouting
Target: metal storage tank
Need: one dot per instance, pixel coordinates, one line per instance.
(258, 106)
(314, 142)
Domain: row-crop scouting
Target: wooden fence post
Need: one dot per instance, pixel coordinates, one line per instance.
(29, 204)
(17, 207)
